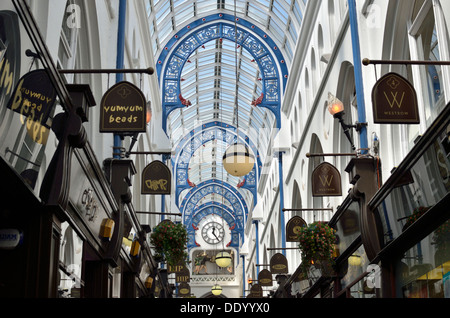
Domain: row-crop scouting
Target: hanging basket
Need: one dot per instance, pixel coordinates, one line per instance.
(316, 244)
(169, 241)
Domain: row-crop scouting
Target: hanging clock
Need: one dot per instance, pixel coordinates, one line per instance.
(213, 232)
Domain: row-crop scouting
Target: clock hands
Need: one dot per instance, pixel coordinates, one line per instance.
(214, 233)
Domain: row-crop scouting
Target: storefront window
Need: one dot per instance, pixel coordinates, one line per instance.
(347, 228)
(419, 189)
(424, 270)
(360, 278)
(27, 102)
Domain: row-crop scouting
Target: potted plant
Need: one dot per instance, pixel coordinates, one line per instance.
(169, 241)
(316, 243)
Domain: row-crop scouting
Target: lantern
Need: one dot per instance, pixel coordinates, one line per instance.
(216, 290)
(223, 259)
(238, 160)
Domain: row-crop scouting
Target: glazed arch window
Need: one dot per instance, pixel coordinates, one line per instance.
(428, 40)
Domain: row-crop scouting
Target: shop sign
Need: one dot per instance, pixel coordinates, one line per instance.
(394, 101)
(293, 228)
(10, 239)
(265, 278)
(156, 179)
(184, 276)
(278, 264)
(256, 291)
(33, 98)
(123, 109)
(326, 181)
(184, 290)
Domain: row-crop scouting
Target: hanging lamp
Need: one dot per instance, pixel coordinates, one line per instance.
(216, 290)
(237, 159)
(223, 259)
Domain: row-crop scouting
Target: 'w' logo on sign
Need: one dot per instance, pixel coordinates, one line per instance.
(393, 101)
(326, 180)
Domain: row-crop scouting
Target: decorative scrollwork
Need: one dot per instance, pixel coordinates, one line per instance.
(90, 204)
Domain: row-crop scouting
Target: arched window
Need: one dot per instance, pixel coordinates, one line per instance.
(428, 40)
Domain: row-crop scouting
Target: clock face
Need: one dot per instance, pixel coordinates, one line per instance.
(213, 232)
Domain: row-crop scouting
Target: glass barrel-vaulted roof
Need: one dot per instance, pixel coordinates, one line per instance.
(208, 76)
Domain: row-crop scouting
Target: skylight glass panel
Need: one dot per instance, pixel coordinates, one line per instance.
(274, 27)
(257, 14)
(165, 30)
(203, 6)
(185, 14)
(162, 12)
(280, 12)
(240, 6)
(298, 12)
(206, 85)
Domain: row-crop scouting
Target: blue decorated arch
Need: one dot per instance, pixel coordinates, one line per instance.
(204, 134)
(234, 201)
(265, 53)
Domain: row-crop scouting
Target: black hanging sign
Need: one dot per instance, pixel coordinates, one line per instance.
(34, 97)
(256, 291)
(278, 264)
(293, 227)
(184, 276)
(394, 101)
(123, 109)
(184, 290)
(326, 181)
(156, 179)
(265, 278)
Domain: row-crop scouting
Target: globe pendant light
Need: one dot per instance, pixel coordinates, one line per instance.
(216, 290)
(238, 160)
(223, 259)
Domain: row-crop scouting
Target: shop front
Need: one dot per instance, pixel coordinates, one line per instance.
(392, 240)
(63, 220)
(413, 213)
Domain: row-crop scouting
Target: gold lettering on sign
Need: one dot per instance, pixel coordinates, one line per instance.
(156, 184)
(6, 80)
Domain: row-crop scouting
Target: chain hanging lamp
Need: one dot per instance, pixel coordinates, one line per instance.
(237, 159)
(216, 290)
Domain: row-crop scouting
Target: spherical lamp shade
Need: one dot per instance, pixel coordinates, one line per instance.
(238, 160)
(354, 260)
(223, 259)
(216, 290)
